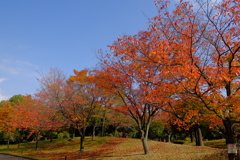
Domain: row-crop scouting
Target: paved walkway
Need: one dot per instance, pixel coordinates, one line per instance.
(10, 157)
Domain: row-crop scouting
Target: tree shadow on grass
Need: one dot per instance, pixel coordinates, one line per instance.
(125, 155)
(103, 151)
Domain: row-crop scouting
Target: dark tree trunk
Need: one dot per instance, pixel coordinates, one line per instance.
(82, 142)
(8, 143)
(103, 127)
(93, 132)
(198, 136)
(51, 136)
(36, 147)
(114, 131)
(191, 134)
(20, 137)
(231, 139)
(72, 131)
(19, 142)
(82, 137)
(162, 139)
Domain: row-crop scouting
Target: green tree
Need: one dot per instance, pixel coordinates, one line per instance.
(16, 99)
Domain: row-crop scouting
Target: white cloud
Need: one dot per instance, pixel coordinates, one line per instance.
(2, 79)
(20, 75)
(17, 67)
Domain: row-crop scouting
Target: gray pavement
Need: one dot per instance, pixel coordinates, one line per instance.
(10, 157)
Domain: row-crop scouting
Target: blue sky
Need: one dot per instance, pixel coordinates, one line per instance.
(36, 35)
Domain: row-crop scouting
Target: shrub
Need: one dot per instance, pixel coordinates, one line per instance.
(66, 134)
(60, 135)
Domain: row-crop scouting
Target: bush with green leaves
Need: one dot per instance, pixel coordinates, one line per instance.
(156, 129)
(60, 135)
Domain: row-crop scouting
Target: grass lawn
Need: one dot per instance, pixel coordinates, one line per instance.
(117, 148)
(216, 143)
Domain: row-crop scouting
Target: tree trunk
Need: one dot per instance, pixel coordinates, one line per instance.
(114, 131)
(144, 139)
(36, 147)
(93, 132)
(145, 146)
(8, 143)
(51, 136)
(231, 139)
(169, 137)
(82, 137)
(72, 131)
(191, 134)
(198, 136)
(103, 127)
(19, 142)
(20, 137)
(82, 143)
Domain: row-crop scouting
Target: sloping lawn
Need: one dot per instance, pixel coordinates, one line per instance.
(116, 148)
(132, 149)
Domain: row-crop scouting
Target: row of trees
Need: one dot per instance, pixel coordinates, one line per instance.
(183, 69)
(63, 104)
(23, 118)
(36, 117)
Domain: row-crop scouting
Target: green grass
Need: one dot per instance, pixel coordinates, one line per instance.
(49, 148)
(107, 148)
(220, 143)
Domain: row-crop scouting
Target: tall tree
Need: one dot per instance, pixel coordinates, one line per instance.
(88, 101)
(34, 116)
(19, 132)
(75, 98)
(202, 41)
(194, 53)
(7, 120)
(117, 78)
(196, 48)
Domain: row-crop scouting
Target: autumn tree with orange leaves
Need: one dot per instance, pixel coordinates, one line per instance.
(193, 52)
(32, 115)
(90, 99)
(118, 78)
(57, 93)
(201, 55)
(7, 120)
(84, 104)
